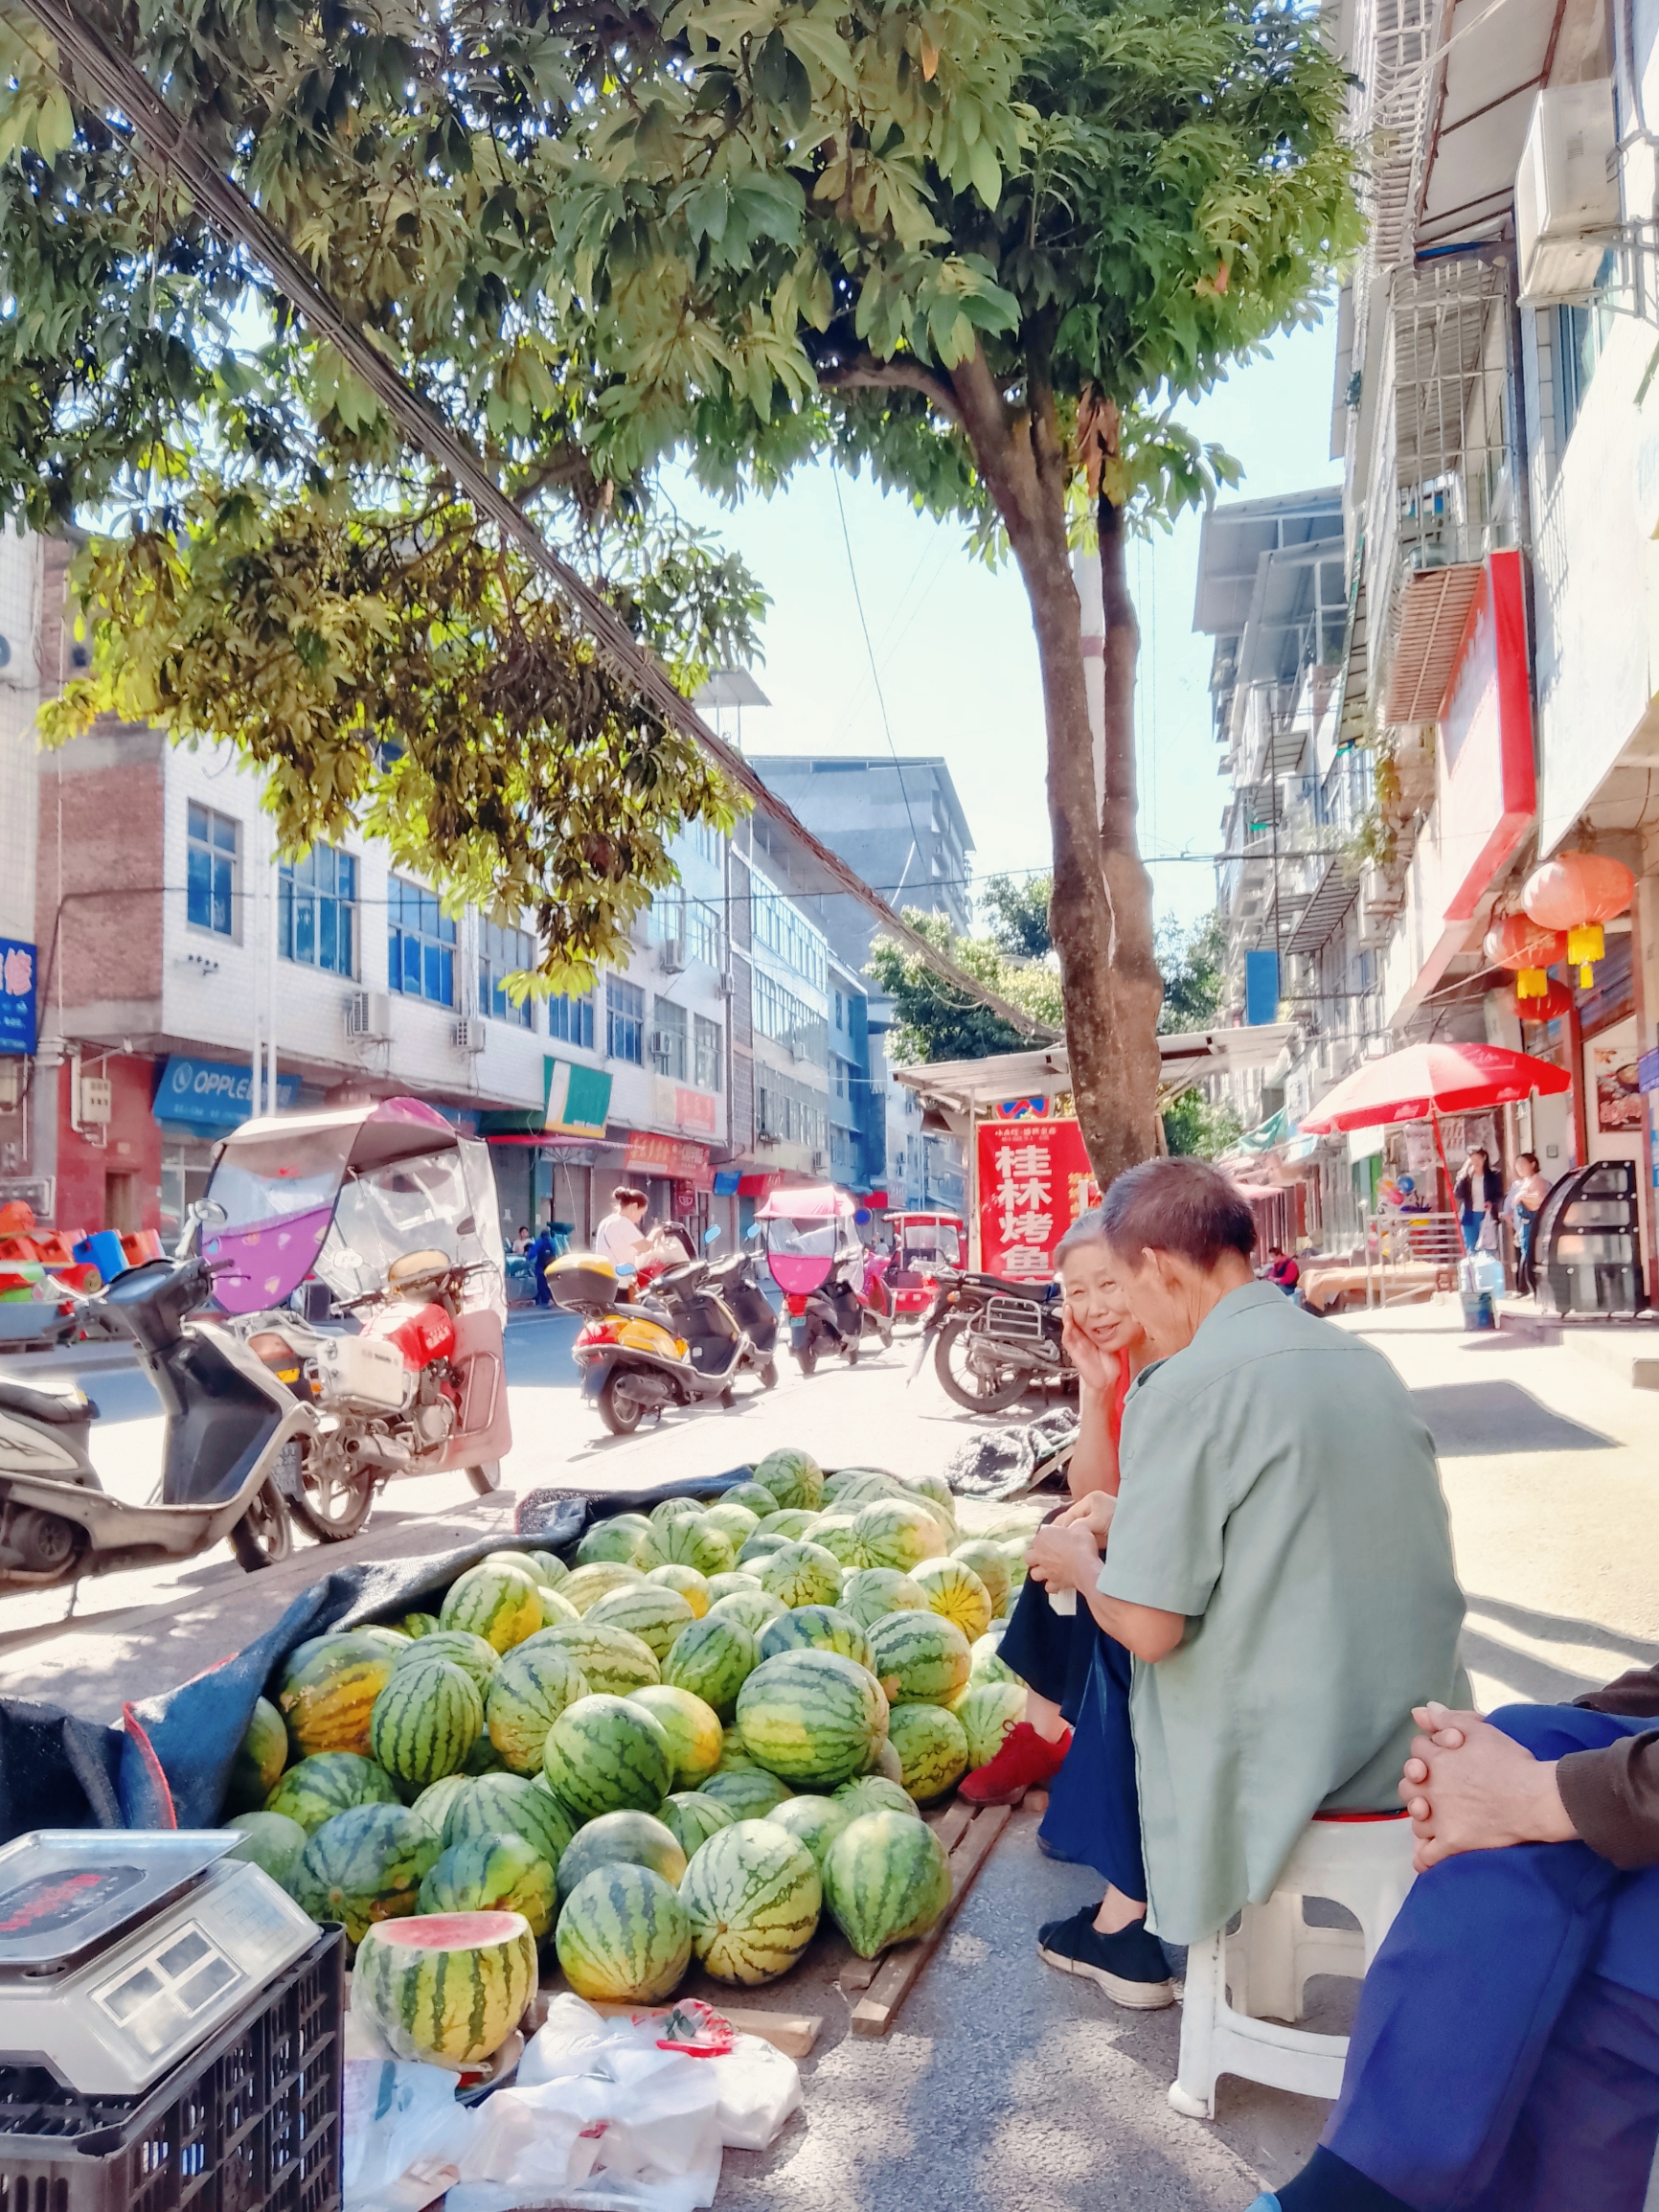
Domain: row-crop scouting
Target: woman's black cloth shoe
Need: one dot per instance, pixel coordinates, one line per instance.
(1130, 1966)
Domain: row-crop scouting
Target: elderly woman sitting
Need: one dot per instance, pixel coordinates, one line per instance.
(1277, 1561)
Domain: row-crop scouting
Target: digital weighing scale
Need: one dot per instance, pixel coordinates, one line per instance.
(122, 1950)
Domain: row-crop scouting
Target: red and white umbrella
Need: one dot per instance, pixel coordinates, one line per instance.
(1423, 1082)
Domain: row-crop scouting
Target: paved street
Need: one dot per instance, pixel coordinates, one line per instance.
(1548, 1468)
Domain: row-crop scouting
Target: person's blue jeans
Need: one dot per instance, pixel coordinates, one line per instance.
(1505, 2054)
(1472, 1228)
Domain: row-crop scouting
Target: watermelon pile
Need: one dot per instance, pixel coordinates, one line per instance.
(685, 1741)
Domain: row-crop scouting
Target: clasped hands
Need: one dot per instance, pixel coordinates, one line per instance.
(1468, 1787)
(1065, 1553)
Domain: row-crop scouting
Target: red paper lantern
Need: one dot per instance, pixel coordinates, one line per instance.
(1555, 1000)
(1578, 892)
(1517, 942)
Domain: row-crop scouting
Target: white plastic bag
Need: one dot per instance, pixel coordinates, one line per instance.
(401, 2135)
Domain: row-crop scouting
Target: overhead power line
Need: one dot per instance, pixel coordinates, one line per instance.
(166, 148)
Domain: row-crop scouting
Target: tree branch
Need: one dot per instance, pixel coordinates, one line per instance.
(867, 373)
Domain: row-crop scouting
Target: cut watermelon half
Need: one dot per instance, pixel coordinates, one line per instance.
(451, 1931)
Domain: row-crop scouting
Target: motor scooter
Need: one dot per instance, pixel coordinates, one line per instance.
(229, 1420)
(681, 1342)
(835, 1292)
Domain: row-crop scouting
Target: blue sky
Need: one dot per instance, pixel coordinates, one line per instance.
(953, 640)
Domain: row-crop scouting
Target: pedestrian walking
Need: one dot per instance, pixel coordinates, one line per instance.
(541, 1255)
(1523, 1205)
(1477, 1197)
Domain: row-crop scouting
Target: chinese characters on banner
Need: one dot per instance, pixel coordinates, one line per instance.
(16, 996)
(1035, 1180)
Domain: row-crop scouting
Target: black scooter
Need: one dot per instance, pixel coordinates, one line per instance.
(835, 1318)
(229, 1421)
(723, 1314)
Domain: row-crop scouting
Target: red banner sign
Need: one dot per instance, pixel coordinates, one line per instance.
(1035, 1180)
(653, 1155)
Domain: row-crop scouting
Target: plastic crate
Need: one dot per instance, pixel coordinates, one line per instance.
(249, 2123)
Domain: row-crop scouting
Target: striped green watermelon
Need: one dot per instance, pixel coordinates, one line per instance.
(362, 1866)
(692, 1586)
(461, 1647)
(691, 1541)
(812, 1716)
(556, 1609)
(271, 1841)
(654, 1614)
(754, 1494)
(870, 1592)
(554, 1571)
(713, 1658)
(932, 1749)
(426, 1721)
(483, 1758)
(496, 1601)
(990, 1563)
(615, 1541)
(623, 1935)
(934, 1491)
(693, 1729)
(261, 1757)
(532, 1688)
(491, 1873)
(433, 1803)
(332, 1782)
(621, 1839)
(817, 1629)
(855, 1482)
(415, 1625)
(814, 1821)
(802, 1574)
(756, 1608)
(895, 1531)
(735, 1753)
(731, 1585)
(527, 1563)
(680, 1508)
(790, 1522)
(692, 1818)
(1014, 1553)
(989, 1713)
(756, 1550)
(886, 1879)
(886, 1762)
(955, 1593)
(794, 1478)
(920, 1658)
(328, 1688)
(988, 1662)
(747, 1792)
(753, 1896)
(588, 1585)
(875, 1793)
(445, 1990)
(604, 1754)
(508, 1805)
(613, 1660)
(735, 1522)
(838, 1534)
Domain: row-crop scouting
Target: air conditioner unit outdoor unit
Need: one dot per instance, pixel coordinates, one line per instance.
(820, 1161)
(368, 1015)
(1566, 193)
(469, 1034)
(662, 1043)
(672, 955)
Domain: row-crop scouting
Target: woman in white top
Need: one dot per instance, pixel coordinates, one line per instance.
(620, 1236)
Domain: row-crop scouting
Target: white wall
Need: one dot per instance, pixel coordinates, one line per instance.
(19, 748)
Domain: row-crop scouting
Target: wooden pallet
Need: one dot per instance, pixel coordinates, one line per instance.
(968, 1834)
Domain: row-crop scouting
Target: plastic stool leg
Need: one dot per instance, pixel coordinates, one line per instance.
(1193, 2091)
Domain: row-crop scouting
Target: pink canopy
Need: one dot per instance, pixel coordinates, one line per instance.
(1426, 1080)
(806, 1202)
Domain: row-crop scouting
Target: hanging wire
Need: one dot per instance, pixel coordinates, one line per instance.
(874, 671)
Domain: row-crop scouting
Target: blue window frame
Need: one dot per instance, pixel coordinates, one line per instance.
(420, 944)
(317, 910)
(571, 1019)
(210, 870)
(501, 953)
(625, 1020)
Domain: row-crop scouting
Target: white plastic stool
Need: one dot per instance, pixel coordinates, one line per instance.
(1267, 1964)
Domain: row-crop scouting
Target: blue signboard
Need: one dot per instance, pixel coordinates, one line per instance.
(18, 965)
(214, 1094)
(1261, 988)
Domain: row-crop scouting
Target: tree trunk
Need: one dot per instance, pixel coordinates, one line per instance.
(1100, 913)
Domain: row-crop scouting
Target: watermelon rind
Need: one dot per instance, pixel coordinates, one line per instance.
(988, 1664)
(271, 1841)
(622, 1839)
(508, 1805)
(731, 1585)
(433, 1803)
(604, 1754)
(756, 1550)
(886, 1762)
(460, 1646)
(955, 1593)
(751, 1895)
(794, 1477)
(737, 1522)
(680, 1508)
(497, 1601)
(692, 1818)
(554, 1571)
(362, 1866)
(989, 1714)
(426, 1721)
(261, 1757)
(654, 1614)
(895, 1531)
(614, 1661)
(692, 1586)
(527, 1563)
(747, 1792)
(790, 1522)
(491, 1873)
(713, 1658)
(586, 1585)
(692, 1728)
(417, 1625)
(755, 1495)
(886, 1879)
(876, 1793)
(812, 1717)
(615, 1541)
(532, 1687)
(838, 1534)
(691, 1541)
(446, 1990)
(870, 1592)
(328, 1687)
(920, 1658)
(329, 1783)
(990, 1563)
(555, 1611)
(814, 1821)
(820, 1629)
(931, 1747)
(802, 1573)
(623, 1936)
(757, 1608)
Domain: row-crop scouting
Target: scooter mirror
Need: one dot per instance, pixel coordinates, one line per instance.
(711, 1233)
(208, 1212)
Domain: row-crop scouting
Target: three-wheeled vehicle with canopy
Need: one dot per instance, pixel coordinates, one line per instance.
(923, 1243)
(833, 1286)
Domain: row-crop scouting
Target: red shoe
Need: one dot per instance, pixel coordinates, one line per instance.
(1025, 1762)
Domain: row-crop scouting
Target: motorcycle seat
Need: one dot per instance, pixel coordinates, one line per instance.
(49, 1405)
